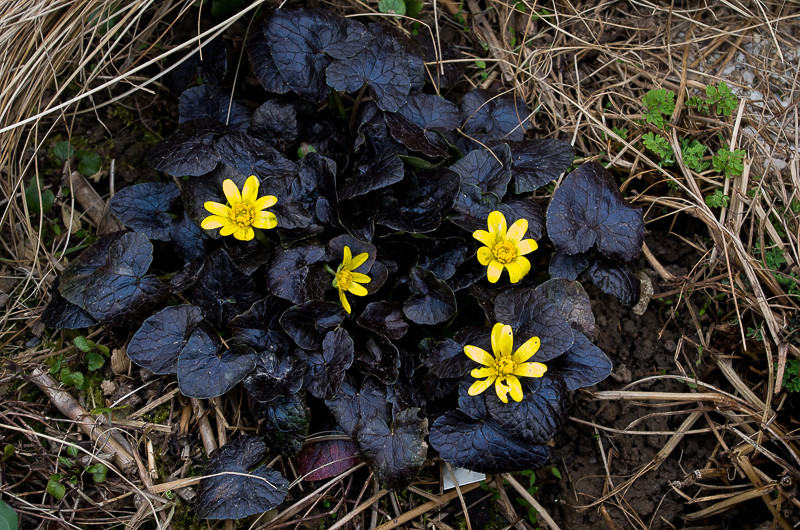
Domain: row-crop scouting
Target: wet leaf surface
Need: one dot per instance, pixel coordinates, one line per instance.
(433, 301)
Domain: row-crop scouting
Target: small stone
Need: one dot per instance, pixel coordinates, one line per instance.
(108, 387)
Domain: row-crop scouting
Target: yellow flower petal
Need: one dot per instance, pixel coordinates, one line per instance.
(502, 340)
(502, 389)
(497, 336)
(348, 257)
(527, 350)
(514, 388)
(343, 300)
(515, 272)
(485, 371)
(231, 192)
(479, 386)
(485, 255)
(244, 234)
(217, 208)
(479, 355)
(265, 202)
(484, 237)
(494, 270)
(517, 231)
(229, 229)
(360, 278)
(530, 370)
(358, 289)
(524, 265)
(497, 224)
(214, 221)
(526, 246)
(358, 261)
(265, 220)
(250, 189)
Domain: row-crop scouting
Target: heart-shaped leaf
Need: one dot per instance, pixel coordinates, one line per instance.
(158, 343)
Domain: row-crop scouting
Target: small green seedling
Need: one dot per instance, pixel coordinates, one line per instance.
(791, 375)
(32, 197)
(660, 146)
(659, 104)
(95, 353)
(693, 153)
(717, 199)
(720, 99)
(728, 163)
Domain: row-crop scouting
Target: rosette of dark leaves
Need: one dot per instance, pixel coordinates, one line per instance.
(222, 291)
(237, 492)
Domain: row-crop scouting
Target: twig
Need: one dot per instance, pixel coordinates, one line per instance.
(204, 426)
(89, 424)
(428, 506)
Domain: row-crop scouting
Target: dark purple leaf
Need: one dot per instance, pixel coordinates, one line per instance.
(144, 208)
(615, 279)
(483, 446)
(287, 274)
(307, 324)
(539, 162)
(433, 302)
(379, 358)
(326, 368)
(275, 122)
(203, 373)
(285, 423)
(187, 239)
(209, 102)
(383, 66)
(108, 280)
(274, 376)
(249, 155)
(569, 266)
(378, 173)
(351, 407)
(302, 42)
(190, 151)
(324, 459)
(572, 302)
(588, 208)
(417, 123)
(261, 60)
(499, 117)
(490, 171)
(161, 338)
(258, 327)
(532, 315)
(385, 318)
(222, 291)
(237, 492)
(445, 359)
(583, 365)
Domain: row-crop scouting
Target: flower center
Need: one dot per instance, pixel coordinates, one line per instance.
(505, 252)
(504, 366)
(345, 279)
(243, 214)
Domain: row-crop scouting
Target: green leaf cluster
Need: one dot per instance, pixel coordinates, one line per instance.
(660, 146)
(693, 153)
(717, 199)
(728, 163)
(791, 375)
(719, 99)
(659, 104)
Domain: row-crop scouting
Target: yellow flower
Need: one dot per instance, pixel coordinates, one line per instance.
(348, 281)
(243, 214)
(504, 368)
(505, 248)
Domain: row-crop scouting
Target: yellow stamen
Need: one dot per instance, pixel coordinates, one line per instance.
(505, 252)
(243, 214)
(504, 366)
(345, 279)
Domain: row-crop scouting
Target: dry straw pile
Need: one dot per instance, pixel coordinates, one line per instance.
(584, 68)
